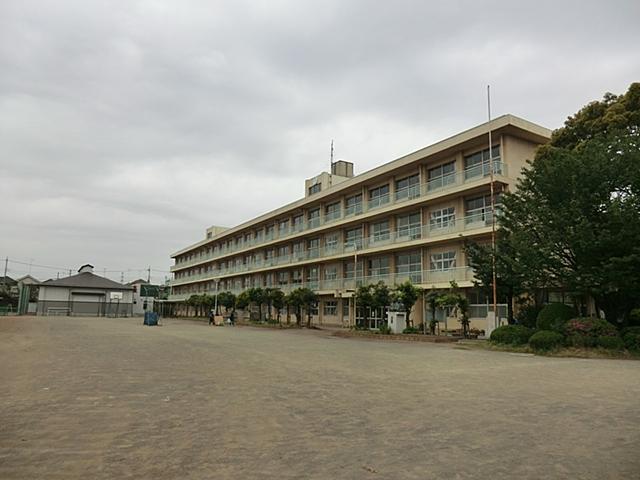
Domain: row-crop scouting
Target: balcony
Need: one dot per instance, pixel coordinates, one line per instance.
(415, 191)
(332, 216)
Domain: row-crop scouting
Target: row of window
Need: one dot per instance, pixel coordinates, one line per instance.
(408, 226)
(406, 187)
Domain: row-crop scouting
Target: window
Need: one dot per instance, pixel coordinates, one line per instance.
(298, 223)
(441, 176)
(315, 188)
(353, 205)
(298, 250)
(443, 261)
(268, 279)
(283, 251)
(330, 272)
(478, 164)
(378, 196)
(283, 278)
(353, 238)
(331, 307)
(259, 236)
(331, 242)
(408, 187)
(314, 218)
(349, 272)
(332, 211)
(409, 226)
(410, 264)
(443, 218)
(313, 274)
(478, 209)
(313, 245)
(345, 307)
(296, 277)
(380, 231)
(379, 266)
(283, 227)
(270, 232)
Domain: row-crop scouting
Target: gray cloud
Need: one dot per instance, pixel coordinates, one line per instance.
(128, 127)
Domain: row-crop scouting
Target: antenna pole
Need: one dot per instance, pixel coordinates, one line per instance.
(493, 213)
(331, 156)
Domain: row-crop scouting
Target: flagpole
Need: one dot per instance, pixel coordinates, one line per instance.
(493, 215)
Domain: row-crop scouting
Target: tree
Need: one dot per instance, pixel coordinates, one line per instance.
(276, 300)
(574, 220)
(460, 304)
(302, 298)
(294, 300)
(257, 297)
(433, 301)
(242, 300)
(309, 300)
(407, 294)
(371, 298)
(511, 279)
(227, 300)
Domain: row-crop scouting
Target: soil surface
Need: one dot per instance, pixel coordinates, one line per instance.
(96, 398)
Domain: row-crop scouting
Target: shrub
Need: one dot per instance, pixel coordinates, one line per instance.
(553, 316)
(631, 338)
(634, 317)
(411, 330)
(610, 343)
(511, 335)
(584, 332)
(528, 315)
(384, 329)
(544, 340)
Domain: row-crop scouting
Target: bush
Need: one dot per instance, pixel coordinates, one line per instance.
(384, 329)
(411, 330)
(528, 315)
(584, 332)
(545, 340)
(634, 317)
(610, 343)
(511, 335)
(631, 338)
(553, 316)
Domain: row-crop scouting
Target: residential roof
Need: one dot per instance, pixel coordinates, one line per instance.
(8, 280)
(29, 278)
(138, 281)
(86, 280)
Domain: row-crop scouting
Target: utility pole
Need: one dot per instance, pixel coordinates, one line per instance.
(121, 277)
(6, 264)
(493, 215)
(69, 272)
(149, 274)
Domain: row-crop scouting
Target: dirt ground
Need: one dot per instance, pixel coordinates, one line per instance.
(110, 399)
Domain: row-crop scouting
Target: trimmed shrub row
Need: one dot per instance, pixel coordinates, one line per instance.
(511, 335)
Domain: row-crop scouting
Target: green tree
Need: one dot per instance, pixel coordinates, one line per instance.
(294, 300)
(227, 300)
(372, 297)
(511, 279)
(242, 300)
(460, 304)
(276, 300)
(302, 298)
(407, 294)
(432, 299)
(574, 220)
(257, 297)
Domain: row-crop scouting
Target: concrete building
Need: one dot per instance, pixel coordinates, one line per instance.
(145, 295)
(85, 294)
(405, 220)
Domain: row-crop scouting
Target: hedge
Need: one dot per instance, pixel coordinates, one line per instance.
(546, 340)
(511, 335)
(585, 332)
(553, 316)
(631, 338)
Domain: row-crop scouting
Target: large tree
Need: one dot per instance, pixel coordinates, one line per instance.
(574, 219)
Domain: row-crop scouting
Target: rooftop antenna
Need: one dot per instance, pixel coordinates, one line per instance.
(493, 213)
(331, 156)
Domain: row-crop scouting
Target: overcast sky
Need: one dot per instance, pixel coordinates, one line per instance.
(128, 127)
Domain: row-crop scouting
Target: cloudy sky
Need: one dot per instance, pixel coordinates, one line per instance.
(128, 127)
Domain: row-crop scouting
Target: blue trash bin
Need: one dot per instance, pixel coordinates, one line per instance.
(150, 318)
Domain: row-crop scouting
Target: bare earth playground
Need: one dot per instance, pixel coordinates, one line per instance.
(109, 398)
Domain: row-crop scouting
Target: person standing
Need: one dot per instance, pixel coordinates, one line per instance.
(212, 317)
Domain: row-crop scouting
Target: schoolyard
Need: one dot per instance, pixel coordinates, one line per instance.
(105, 398)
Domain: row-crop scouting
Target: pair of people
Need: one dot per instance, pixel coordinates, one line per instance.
(212, 318)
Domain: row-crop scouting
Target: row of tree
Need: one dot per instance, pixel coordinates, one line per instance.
(264, 300)
(573, 223)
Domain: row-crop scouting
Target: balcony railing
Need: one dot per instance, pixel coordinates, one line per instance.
(332, 216)
(415, 191)
(360, 246)
(429, 278)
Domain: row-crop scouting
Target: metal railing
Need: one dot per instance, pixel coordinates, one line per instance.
(415, 191)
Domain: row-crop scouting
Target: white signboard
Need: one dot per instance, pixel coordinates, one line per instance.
(115, 295)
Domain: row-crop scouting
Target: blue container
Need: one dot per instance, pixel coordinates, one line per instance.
(150, 318)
